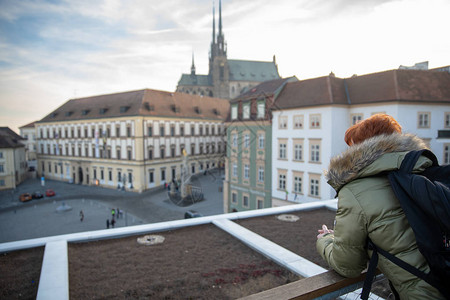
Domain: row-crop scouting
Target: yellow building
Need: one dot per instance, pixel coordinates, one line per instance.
(13, 165)
(132, 140)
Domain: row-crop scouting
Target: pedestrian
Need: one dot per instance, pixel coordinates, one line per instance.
(113, 222)
(118, 213)
(113, 212)
(368, 208)
(107, 223)
(81, 216)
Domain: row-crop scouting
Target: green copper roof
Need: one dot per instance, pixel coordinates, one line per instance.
(246, 70)
(194, 80)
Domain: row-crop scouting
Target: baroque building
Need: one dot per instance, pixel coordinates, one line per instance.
(227, 78)
(13, 165)
(132, 140)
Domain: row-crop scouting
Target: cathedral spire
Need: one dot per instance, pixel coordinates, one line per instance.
(214, 25)
(193, 65)
(220, 17)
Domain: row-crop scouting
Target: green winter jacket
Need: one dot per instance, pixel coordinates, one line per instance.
(367, 207)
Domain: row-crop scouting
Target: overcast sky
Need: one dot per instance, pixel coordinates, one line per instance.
(52, 51)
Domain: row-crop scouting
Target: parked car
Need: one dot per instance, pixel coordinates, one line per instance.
(25, 197)
(37, 195)
(192, 214)
(49, 193)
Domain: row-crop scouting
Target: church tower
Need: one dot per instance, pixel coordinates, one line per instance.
(218, 62)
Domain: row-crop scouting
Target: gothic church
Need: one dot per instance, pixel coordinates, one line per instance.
(227, 78)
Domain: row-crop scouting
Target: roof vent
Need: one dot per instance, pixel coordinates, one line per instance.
(124, 109)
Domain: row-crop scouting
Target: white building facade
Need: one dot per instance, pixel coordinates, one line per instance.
(307, 131)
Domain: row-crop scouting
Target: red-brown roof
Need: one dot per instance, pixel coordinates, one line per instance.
(392, 85)
(29, 125)
(10, 139)
(141, 103)
(311, 92)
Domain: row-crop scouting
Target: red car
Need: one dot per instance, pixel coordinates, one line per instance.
(49, 193)
(25, 197)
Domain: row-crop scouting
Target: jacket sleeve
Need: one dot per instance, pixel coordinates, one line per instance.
(345, 249)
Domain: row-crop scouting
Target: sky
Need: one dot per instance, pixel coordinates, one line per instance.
(55, 50)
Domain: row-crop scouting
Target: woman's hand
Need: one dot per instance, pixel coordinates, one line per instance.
(324, 231)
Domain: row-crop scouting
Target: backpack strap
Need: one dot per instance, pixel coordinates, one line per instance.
(407, 267)
(412, 157)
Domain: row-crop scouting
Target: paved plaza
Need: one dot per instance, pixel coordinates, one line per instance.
(40, 217)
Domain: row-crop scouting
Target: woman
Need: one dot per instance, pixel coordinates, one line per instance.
(367, 206)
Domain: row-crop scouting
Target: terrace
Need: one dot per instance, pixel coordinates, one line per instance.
(261, 254)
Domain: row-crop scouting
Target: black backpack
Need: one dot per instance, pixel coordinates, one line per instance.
(425, 199)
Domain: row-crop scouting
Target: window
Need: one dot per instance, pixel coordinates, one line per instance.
(282, 149)
(234, 198)
(162, 152)
(261, 141)
(172, 130)
(355, 118)
(260, 203)
(181, 130)
(118, 154)
(234, 112)
(150, 131)
(446, 154)
(2, 169)
(235, 170)
(161, 130)
(192, 130)
(315, 150)
(201, 129)
(314, 122)
(234, 136)
(110, 175)
(298, 150)
(447, 120)
(163, 174)
(424, 120)
(246, 171)
(129, 154)
(246, 140)
(298, 122)
(172, 151)
(261, 174)
(192, 149)
(282, 122)
(206, 129)
(282, 181)
(297, 182)
(314, 181)
(246, 111)
(2, 182)
(102, 174)
(150, 153)
(261, 110)
(128, 131)
(245, 201)
(151, 177)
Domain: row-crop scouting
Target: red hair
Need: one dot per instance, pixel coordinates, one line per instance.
(377, 124)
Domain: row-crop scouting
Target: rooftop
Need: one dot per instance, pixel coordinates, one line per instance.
(223, 256)
(388, 86)
(10, 139)
(141, 103)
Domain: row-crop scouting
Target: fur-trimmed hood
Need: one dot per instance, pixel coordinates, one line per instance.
(351, 164)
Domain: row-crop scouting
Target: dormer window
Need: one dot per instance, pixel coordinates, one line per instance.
(216, 112)
(53, 115)
(174, 108)
(85, 112)
(102, 111)
(124, 109)
(197, 109)
(68, 113)
(148, 107)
